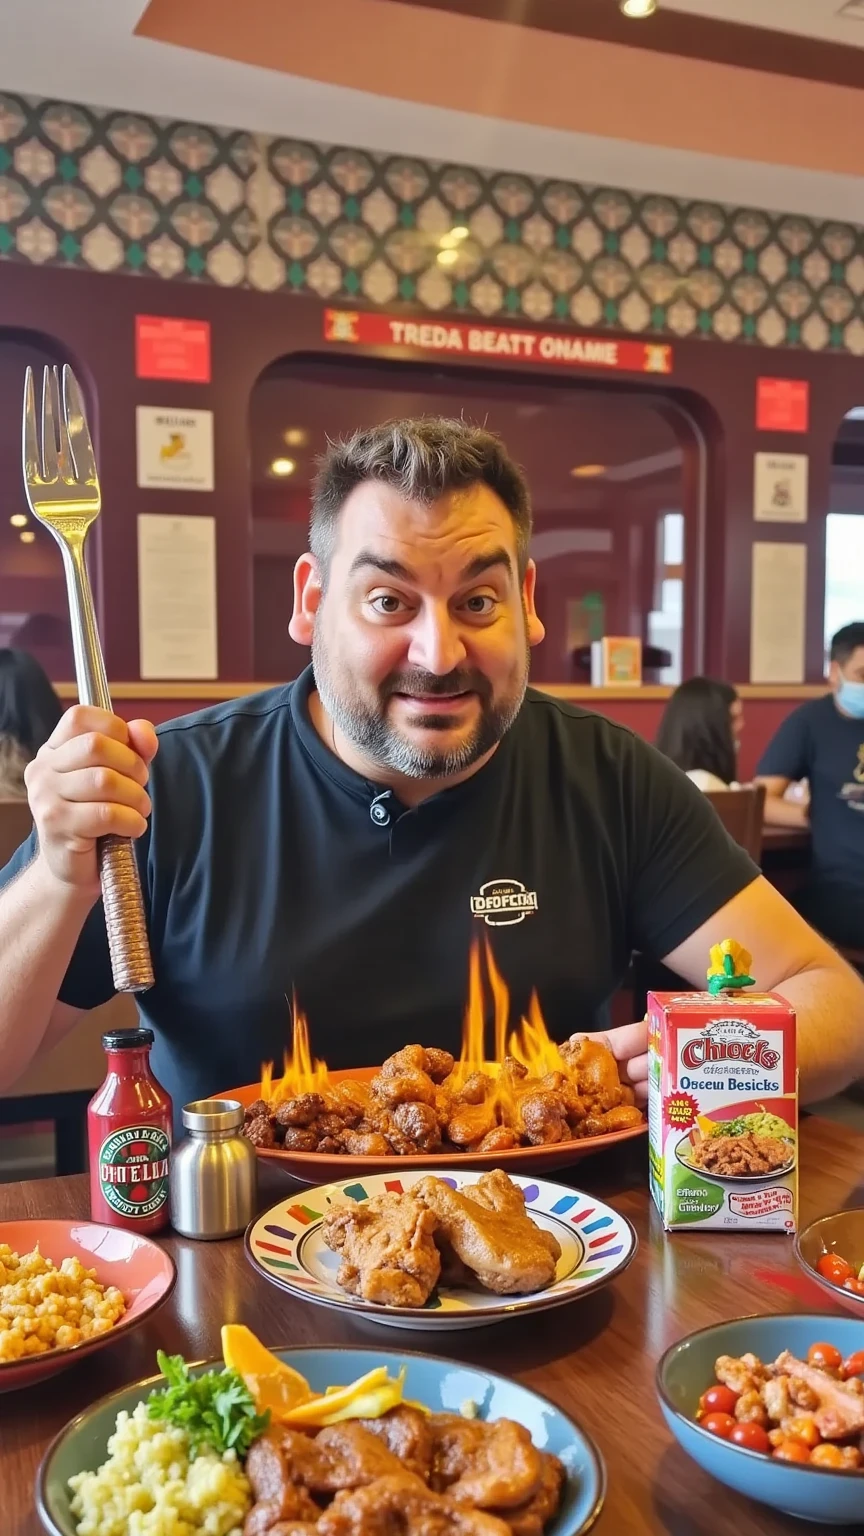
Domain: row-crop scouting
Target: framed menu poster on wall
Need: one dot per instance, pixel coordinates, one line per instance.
(177, 597)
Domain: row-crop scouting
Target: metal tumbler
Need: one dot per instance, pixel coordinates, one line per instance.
(214, 1172)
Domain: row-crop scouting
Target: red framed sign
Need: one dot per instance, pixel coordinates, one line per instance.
(458, 338)
(166, 348)
(782, 405)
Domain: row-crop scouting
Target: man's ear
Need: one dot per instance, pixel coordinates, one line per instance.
(536, 630)
(307, 597)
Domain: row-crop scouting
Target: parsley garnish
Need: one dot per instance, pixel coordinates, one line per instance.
(216, 1410)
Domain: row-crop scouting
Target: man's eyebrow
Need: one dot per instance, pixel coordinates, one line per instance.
(367, 560)
(485, 563)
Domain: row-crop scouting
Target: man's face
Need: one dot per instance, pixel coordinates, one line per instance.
(420, 641)
(852, 671)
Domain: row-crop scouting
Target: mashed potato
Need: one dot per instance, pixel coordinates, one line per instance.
(149, 1487)
(42, 1307)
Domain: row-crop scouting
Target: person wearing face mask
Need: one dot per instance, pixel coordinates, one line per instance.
(823, 741)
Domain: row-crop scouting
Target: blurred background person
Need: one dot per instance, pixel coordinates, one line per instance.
(700, 731)
(823, 741)
(29, 711)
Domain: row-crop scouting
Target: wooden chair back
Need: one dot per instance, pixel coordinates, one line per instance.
(15, 826)
(741, 812)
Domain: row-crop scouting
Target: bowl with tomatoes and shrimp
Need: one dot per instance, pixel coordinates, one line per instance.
(831, 1252)
(773, 1407)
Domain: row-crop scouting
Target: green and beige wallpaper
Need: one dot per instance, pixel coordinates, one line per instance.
(117, 192)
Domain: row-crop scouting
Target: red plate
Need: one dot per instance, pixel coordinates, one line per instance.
(328, 1167)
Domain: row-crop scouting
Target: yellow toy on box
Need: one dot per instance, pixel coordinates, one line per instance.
(723, 1102)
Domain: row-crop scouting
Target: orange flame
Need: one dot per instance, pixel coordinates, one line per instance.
(302, 1072)
(529, 1042)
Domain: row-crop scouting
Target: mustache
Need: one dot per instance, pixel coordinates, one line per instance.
(415, 682)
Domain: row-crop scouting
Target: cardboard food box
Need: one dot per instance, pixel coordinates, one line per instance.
(723, 1111)
(616, 662)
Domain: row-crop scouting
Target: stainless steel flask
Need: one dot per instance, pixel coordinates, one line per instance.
(214, 1172)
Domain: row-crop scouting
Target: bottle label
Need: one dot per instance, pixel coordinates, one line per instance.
(133, 1170)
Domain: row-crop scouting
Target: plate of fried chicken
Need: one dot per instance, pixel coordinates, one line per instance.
(421, 1104)
(441, 1249)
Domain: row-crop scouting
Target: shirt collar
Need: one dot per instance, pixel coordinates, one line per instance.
(327, 762)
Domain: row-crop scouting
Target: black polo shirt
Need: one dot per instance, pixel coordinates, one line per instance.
(271, 869)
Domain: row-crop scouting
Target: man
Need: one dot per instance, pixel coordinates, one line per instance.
(345, 839)
(823, 741)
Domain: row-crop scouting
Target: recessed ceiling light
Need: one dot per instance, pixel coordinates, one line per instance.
(447, 258)
(18, 519)
(588, 471)
(27, 536)
(282, 467)
(853, 10)
(636, 9)
(297, 437)
(454, 237)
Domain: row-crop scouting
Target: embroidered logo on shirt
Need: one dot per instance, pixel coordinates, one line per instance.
(502, 902)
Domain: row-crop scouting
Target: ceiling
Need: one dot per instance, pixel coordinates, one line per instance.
(824, 19)
(88, 51)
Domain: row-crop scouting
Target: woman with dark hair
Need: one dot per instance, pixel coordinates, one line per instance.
(29, 711)
(699, 731)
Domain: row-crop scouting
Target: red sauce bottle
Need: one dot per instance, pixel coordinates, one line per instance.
(129, 1136)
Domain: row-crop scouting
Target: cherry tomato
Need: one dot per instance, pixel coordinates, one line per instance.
(717, 1400)
(825, 1357)
(752, 1436)
(853, 1285)
(791, 1450)
(832, 1267)
(854, 1365)
(721, 1424)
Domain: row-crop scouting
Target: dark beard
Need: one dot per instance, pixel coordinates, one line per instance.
(369, 731)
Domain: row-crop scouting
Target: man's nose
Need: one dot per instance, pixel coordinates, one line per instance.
(436, 643)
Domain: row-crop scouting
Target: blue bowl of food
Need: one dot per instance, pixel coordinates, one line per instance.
(407, 1457)
(774, 1408)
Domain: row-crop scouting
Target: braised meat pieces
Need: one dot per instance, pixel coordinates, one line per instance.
(740, 1156)
(395, 1247)
(422, 1102)
(405, 1474)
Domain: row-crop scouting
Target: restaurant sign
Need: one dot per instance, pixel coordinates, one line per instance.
(456, 338)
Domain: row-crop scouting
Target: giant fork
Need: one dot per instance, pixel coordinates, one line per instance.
(63, 491)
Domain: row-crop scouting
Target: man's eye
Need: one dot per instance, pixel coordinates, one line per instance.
(387, 603)
(480, 604)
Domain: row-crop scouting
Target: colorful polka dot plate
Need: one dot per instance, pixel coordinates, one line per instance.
(286, 1245)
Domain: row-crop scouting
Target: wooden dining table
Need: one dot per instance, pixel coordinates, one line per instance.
(595, 1358)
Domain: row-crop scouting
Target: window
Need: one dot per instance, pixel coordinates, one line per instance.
(33, 610)
(605, 469)
(844, 571)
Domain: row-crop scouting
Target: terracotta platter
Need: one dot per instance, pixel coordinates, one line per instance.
(325, 1167)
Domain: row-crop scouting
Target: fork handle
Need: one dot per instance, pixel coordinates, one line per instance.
(122, 897)
(124, 915)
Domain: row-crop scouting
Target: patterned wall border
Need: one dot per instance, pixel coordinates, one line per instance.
(117, 192)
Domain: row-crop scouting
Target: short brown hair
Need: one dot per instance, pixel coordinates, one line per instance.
(423, 458)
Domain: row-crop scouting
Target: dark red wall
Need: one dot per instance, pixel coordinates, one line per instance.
(92, 318)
